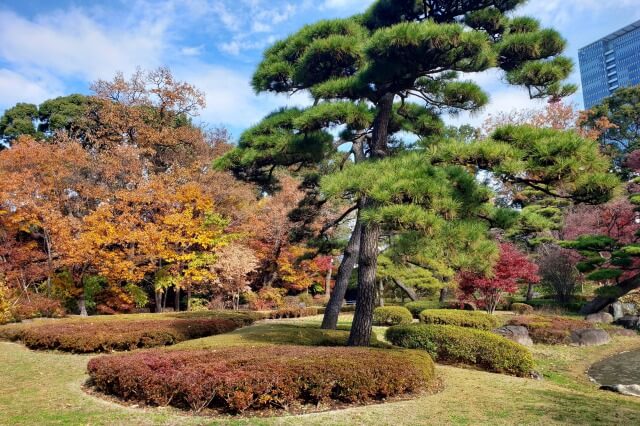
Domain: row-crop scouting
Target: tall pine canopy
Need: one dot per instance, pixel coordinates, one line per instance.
(392, 71)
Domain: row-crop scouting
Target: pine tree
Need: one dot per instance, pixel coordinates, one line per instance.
(395, 67)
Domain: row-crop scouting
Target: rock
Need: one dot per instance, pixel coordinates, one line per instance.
(536, 375)
(628, 321)
(629, 309)
(600, 317)
(590, 337)
(469, 307)
(622, 332)
(616, 310)
(629, 390)
(516, 333)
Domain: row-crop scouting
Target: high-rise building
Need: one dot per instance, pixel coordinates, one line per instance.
(610, 63)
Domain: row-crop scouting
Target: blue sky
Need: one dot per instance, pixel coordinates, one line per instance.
(55, 47)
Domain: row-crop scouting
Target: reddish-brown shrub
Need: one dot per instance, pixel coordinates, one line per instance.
(115, 335)
(33, 305)
(236, 379)
(552, 330)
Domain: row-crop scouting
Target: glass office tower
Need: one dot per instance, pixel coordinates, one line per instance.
(610, 63)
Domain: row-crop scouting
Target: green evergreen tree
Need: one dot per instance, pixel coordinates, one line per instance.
(62, 113)
(396, 67)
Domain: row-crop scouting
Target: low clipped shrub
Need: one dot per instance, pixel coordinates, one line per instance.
(16, 308)
(343, 310)
(521, 308)
(116, 335)
(233, 380)
(293, 312)
(391, 315)
(420, 305)
(479, 320)
(451, 344)
(552, 330)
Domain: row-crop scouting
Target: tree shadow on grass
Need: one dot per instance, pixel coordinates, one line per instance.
(305, 335)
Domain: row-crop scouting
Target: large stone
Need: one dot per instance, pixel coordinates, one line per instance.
(516, 333)
(629, 390)
(629, 321)
(616, 310)
(629, 309)
(590, 337)
(600, 317)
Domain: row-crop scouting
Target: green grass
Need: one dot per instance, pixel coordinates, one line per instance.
(45, 388)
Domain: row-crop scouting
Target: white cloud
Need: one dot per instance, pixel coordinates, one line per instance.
(230, 98)
(503, 99)
(192, 50)
(346, 4)
(16, 88)
(72, 44)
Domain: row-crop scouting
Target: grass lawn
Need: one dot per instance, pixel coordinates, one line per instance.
(45, 388)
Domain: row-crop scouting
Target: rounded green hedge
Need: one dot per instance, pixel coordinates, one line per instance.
(391, 315)
(450, 344)
(479, 320)
(420, 305)
(521, 308)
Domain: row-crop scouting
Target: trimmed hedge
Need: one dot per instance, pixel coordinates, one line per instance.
(451, 344)
(521, 308)
(552, 330)
(293, 313)
(418, 306)
(234, 380)
(479, 320)
(117, 335)
(391, 315)
(343, 310)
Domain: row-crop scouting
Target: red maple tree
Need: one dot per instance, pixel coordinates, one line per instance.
(512, 270)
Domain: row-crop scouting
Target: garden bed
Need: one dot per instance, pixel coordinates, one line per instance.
(88, 336)
(551, 329)
(234, 380)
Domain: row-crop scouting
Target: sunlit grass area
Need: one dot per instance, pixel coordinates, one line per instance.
(46, 388)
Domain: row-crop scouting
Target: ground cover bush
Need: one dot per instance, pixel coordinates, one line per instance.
(19, 307)
(343, 310)
(391, 315)
(521, 308)
(420, 305)
(573, 306)
(479, 320)
(234, 380)
(293, 312)
(105, 336)
(552, 330)
(451, 344)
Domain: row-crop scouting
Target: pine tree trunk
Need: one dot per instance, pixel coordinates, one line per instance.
(381, 293)
(529, 295)
(363, 318)
(176, 301)
(444, 293)
(158, 302)
(82, 306)
(368, 263)
(327, 283)
(47, 242)
(349, 259)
